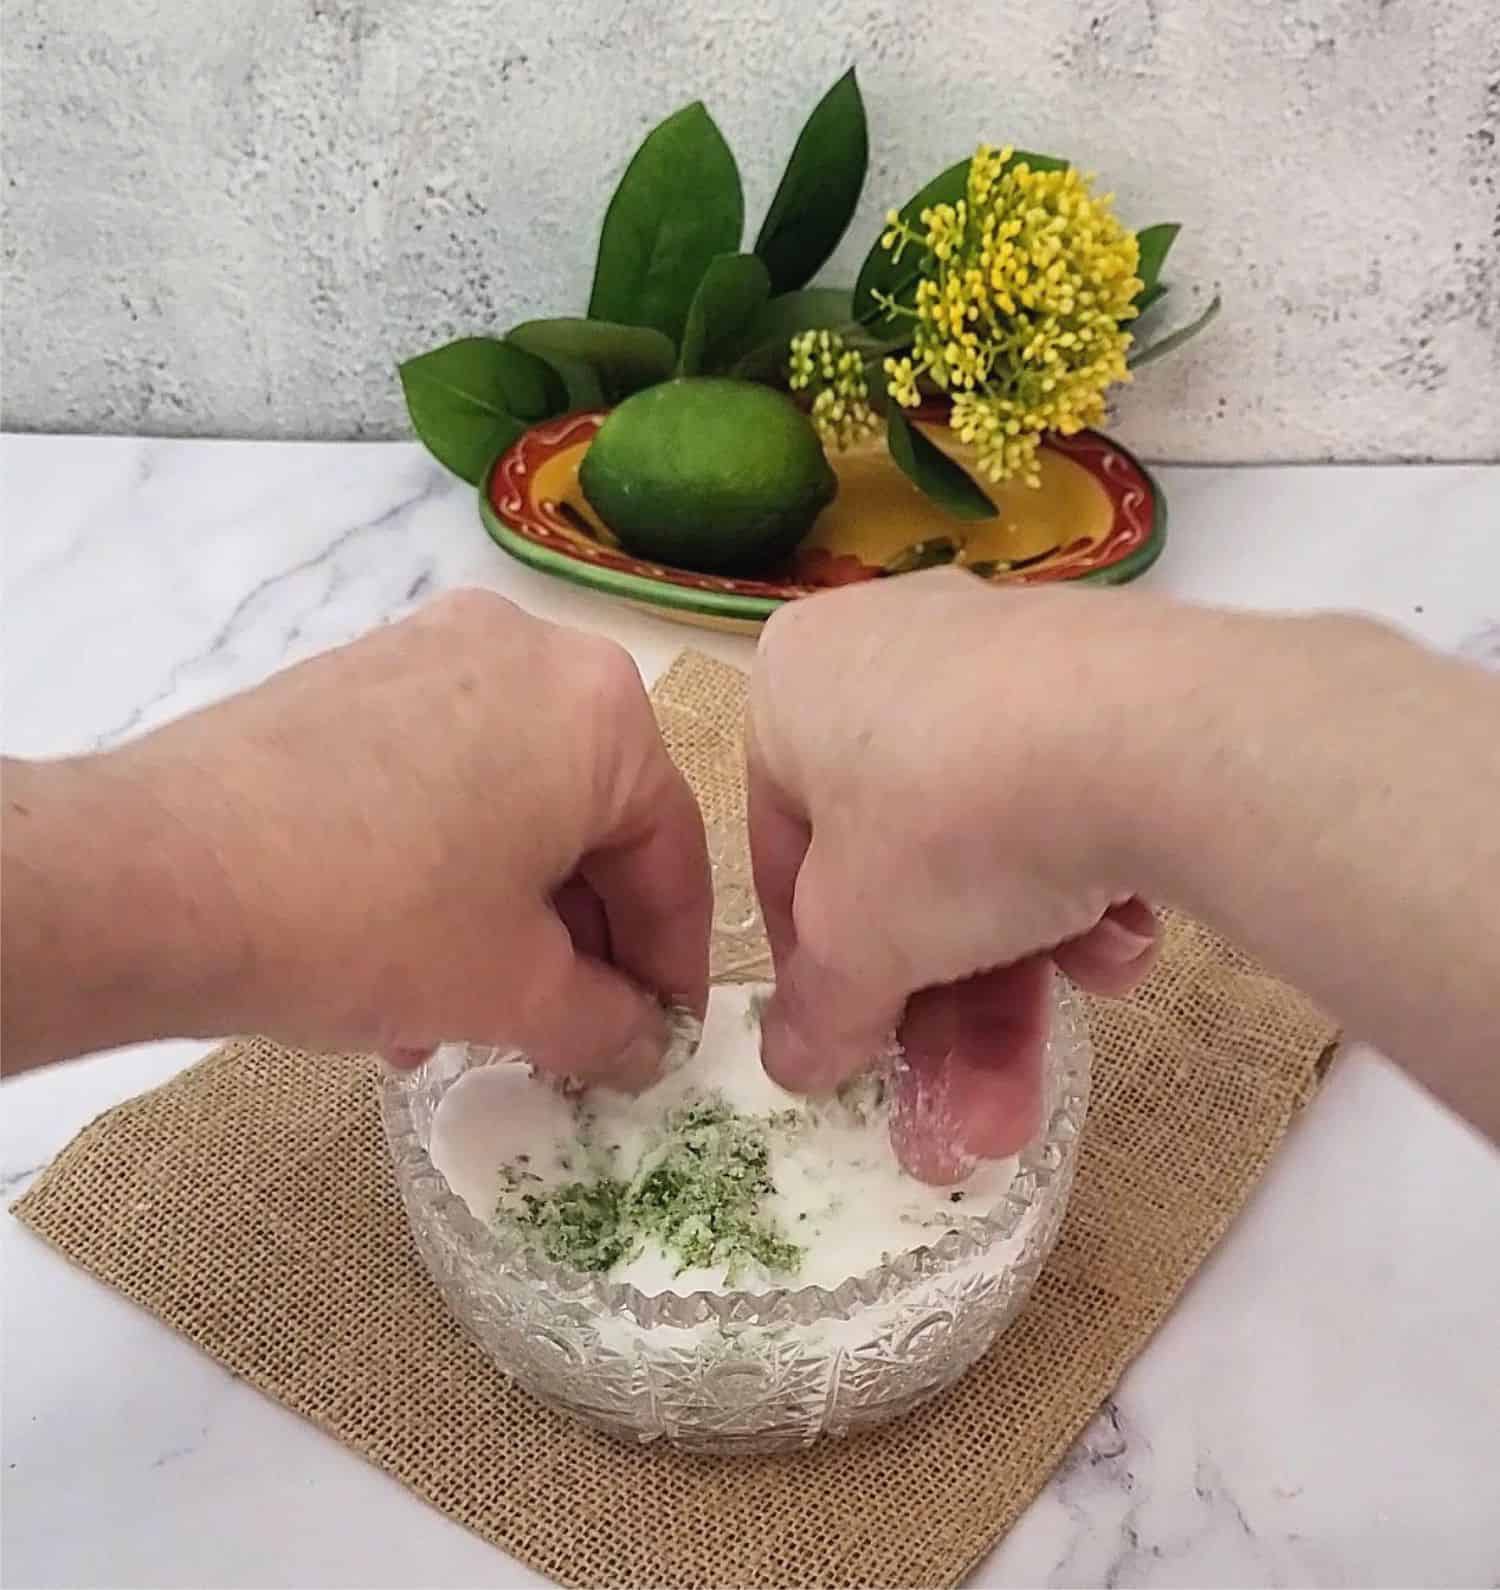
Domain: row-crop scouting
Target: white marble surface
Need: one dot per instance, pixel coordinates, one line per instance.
(1322, 1408)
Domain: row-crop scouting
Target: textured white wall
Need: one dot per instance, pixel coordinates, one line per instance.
(233, 216)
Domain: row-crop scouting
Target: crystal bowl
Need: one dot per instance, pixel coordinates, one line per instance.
(741, 1371)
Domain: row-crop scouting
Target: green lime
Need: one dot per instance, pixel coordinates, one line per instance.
(718, 476)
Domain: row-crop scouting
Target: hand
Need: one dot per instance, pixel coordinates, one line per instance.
(921, 757)
(463, 826)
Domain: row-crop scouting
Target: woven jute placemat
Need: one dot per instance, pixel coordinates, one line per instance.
(249, 1204)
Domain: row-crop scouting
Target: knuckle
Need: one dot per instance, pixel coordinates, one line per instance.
(785, 628)
(542, 994)
(820, 919)
(934, 845)
(1357, 629)
(605, 673)
(626, 740)
(469, 609)
(953, 578)
(616, 760)
(780, 662)
(846, 927)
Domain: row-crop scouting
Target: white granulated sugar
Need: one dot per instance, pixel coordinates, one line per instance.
(838, 1191)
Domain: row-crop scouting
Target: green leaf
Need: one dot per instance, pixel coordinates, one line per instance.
(991, 568)
(931, 554)
(880, 399)
(881, 273)
(470, 399)
(929, 468)
(807, 309)
(1155, 244)
(677, 206)
(819, 189)
(762, 351)
(734, 288)
(1174, 339)
(600, 363)
(580, 380)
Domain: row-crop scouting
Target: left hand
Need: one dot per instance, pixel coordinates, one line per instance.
(462, 826)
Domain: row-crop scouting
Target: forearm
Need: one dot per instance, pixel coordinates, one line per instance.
(1325, 793)
(119, 922)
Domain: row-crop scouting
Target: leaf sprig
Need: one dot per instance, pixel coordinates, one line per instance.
(672, 293)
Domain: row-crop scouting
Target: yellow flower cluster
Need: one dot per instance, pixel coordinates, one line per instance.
(823, 362)
(1025, 283)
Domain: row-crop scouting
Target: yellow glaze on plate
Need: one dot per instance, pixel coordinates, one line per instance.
(878, 513)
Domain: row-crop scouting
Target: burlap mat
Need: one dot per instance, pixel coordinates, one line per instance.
(248, 1203)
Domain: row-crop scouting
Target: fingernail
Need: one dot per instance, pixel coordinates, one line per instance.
(925, 1132)
(684, 1034)
(1002, 1123)
(1120, 944)
(790, 1060)
(637, 1065)
(405, 1057)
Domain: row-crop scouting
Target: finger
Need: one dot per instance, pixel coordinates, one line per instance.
(407, 1057)
(831, 1014)
(582, 913)
(1116, 953)
(582, 1018)
(779, 837)
(971, 1085)
(654, 883)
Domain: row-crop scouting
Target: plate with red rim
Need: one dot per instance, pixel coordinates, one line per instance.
(1098, 516)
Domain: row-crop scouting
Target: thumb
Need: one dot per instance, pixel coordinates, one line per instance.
(971, 1087)
(580, 1017)
(832, 1012)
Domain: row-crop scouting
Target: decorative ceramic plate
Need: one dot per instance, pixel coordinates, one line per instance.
(1098, 515)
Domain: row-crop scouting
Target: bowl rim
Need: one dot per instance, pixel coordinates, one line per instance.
(1043, 1165)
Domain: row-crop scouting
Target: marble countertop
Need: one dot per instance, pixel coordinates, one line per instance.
(1323, 1407)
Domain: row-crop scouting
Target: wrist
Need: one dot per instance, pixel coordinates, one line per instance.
(1167, 741)
(1205, 717)
(1109, 734)
(121, 921)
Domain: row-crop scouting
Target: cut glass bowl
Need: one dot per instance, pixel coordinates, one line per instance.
(742, 1371)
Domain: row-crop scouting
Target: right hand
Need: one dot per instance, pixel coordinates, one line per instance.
(927, 844)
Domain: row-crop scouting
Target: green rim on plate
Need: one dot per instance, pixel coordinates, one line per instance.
(536, 533)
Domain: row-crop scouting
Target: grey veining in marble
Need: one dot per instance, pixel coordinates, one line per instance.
(1320, 1407)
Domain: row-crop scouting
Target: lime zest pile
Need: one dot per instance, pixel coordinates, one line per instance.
(580, 1223)
(696, 1193)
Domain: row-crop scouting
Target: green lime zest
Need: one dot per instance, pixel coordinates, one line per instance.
(697, 1194)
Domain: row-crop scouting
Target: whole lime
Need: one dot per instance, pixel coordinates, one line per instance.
(724, 477)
